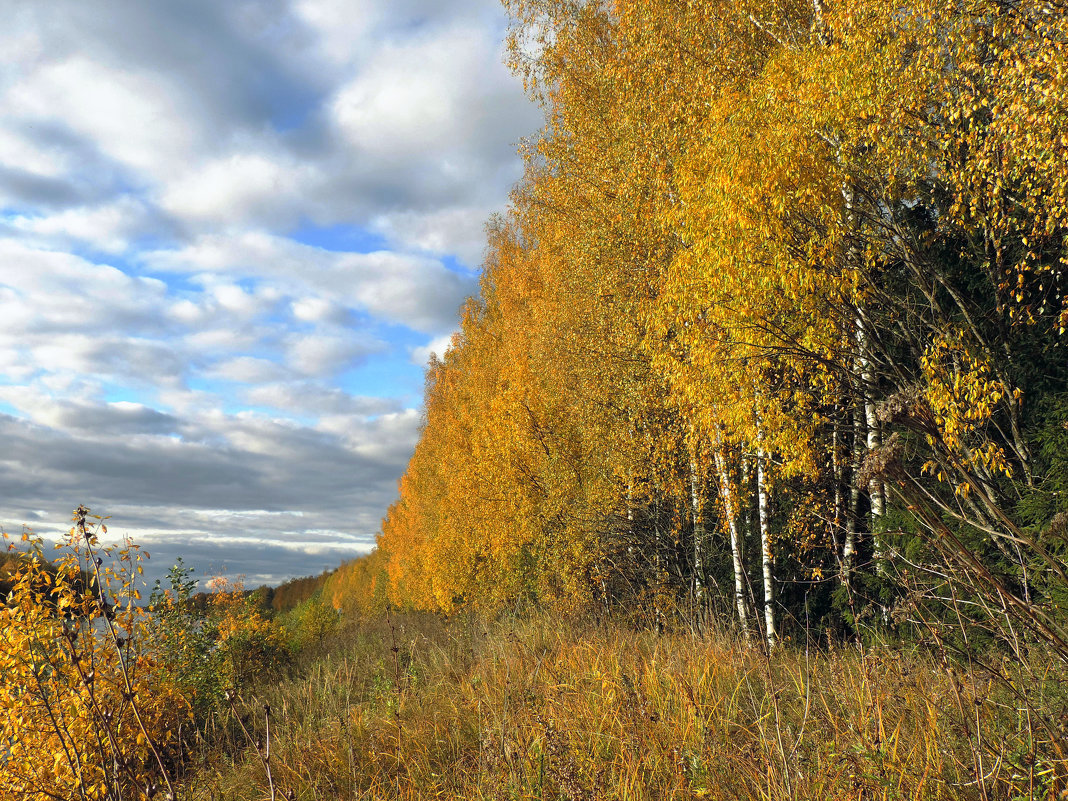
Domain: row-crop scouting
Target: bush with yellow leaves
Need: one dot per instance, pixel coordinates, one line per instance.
(248, 644)
(85, 711)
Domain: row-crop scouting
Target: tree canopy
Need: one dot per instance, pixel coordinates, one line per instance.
(774, 325)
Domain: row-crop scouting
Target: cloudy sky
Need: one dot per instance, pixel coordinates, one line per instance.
(230, 235)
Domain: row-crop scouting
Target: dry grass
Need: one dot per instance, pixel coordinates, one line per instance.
(543, 709)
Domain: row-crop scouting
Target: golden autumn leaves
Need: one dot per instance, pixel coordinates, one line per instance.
(83, 710)
(101, 693)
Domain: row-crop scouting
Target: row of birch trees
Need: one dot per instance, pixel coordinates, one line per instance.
(774, 328)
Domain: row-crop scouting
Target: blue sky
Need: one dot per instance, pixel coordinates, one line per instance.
(231, 234)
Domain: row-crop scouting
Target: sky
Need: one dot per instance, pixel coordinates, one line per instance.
(231, 234)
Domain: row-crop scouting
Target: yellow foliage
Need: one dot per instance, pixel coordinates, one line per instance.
(746, 231)
(961, 396)
(84, 710)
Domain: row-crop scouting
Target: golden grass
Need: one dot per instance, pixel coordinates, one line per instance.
(541, 709)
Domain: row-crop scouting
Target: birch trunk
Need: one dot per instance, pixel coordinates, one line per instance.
(746, 530)
(838, 521)
(699, 535)
(737, 554)
(657, 560)
(770, 630)
(876, 491)
(849, 547)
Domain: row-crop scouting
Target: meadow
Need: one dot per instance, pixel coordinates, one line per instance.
(411, 706)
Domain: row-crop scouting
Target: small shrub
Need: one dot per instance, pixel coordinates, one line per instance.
(86, 710)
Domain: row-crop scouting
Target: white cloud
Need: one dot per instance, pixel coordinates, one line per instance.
(458, 231)
(341, 25)
(438, 346)
(247, 370)
(50, 299)
(107, 227)
(319, 310)
(417, 291)
(132, 116)
(326, 354)
(405, 103)
(389, 437)
(315, 399)
(235, 300)
(130, 360)
(239, 187)
(19, 148)
(222, 339)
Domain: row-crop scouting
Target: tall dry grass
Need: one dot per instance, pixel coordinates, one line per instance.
(539, 708)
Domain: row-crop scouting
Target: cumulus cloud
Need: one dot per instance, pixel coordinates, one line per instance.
(247, 370)
(326, 354)
(310, 398)
(117, 419)
(126, 113)
(248, 476)
(458, 231)
(436, 347)
(320, 310)
(417, 291)
(239, 187)
(107, 227)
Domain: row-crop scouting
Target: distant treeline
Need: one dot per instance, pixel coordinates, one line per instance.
(283, 598)
(286, 596)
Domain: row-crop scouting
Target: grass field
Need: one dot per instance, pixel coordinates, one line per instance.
(413, 707)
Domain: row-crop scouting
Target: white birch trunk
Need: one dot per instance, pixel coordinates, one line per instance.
(770, 630)
(737, 553)
(699, 535)
(849, 547)
(876, 491)
(838, 523)
(657, 564)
